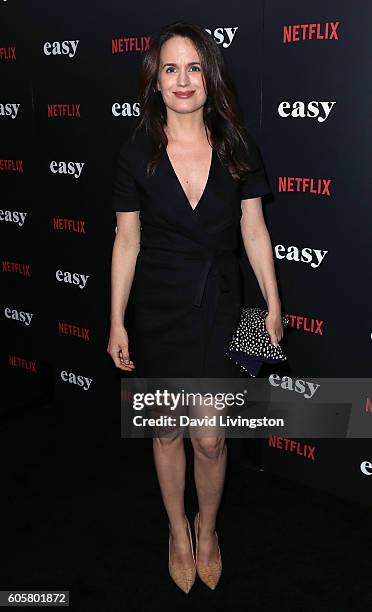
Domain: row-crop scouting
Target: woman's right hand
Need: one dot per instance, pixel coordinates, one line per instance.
(118, 348)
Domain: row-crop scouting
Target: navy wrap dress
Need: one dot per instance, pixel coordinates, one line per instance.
(186, 296)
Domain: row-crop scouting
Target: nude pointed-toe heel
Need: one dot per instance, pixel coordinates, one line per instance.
(183, 577)
(209, 573)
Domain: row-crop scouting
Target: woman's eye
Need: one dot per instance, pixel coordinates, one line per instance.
(172, 68)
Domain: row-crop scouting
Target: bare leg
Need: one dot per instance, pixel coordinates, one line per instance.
(209, 470)
(210, 458)
(170, 463)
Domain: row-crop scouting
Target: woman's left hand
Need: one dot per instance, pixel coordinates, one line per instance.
(274, 327)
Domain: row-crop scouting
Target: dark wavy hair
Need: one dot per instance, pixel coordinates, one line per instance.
(221, 113)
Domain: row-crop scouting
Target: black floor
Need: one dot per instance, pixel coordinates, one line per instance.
(82, 512)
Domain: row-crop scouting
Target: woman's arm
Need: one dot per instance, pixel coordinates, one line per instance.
(124, 255)
(257, 244)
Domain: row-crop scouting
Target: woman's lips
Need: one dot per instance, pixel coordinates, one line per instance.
(183, 94)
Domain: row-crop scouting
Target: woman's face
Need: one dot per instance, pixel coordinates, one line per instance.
(180, 77)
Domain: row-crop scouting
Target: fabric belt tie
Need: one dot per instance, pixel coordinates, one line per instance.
(211, 265)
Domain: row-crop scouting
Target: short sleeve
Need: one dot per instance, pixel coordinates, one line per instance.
(255, 183)
(125, 194)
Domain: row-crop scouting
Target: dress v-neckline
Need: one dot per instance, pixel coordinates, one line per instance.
(193, 209)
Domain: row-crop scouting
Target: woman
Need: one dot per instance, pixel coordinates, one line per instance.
(187, 180)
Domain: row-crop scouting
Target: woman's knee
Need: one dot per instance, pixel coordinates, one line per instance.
(209, 447)
(168, 441)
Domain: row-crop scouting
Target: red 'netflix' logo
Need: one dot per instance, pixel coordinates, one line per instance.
(11, 165)
(302, 184)
(292, 446)
(64, 110)
(69, 225)
(24, 364)
(310, 31)
(132, 43)
(368, 406)
(69, 329)
(16, 268)
(8, 53)
(307, 324)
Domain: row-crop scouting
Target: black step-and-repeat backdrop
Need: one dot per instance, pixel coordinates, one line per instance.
(69, 74)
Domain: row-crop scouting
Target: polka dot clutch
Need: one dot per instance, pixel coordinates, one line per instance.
(251, 346)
